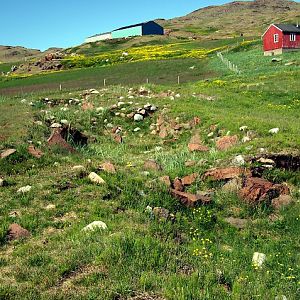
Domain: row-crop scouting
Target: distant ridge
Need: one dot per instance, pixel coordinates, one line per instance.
(249, 18)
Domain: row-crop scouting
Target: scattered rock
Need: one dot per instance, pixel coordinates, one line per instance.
(78, 168)
(57, 140)
(237, 223)
(108, 167)
(281, 201)
(166, 181)
(1, 182)
(7, 153)
(177, 184)
(161, 213)
(233, 186)
(190, 163)
(152, 165)
(95, 225)
(138, 117)
(56, 125)
(15, 232)
(226, 173)
(256, 190)
(226, 142)
(190, 200)
(14, 214)
(50, 207)
(196, 144)
(87, 106)
(118, 139)
(96, 178)
(24, 189)
(190, 179)
(239, 161)
(274, 130)
(35, 152)
(258, 259)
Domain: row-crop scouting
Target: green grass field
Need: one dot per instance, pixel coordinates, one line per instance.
(195, 253)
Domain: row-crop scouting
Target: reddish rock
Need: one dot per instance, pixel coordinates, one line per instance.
(118, 139)
(196, 144)
(131, 115)
(190, 200)
(152, 165)
(196, 121)
(87, 106)
(226, 173)
(256, 190)
(108, 167)
(177, 184)
(227, 142)
(35, 152)
(281, 201)
(166, 181)
(7, 153)
(198, 148)
(163, 132)
(57, 140)
(15, 231)
(190, 179)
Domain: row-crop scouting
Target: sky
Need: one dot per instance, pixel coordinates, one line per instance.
(41, 24)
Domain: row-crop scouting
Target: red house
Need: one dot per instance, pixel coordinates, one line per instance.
(280, 38)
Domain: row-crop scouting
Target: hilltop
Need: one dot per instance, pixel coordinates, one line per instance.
(249, 18)
(10, 54)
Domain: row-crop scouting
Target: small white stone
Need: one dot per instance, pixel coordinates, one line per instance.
(50, 207)
(210, 134)
(243, 128)
(177, 96)
(98, 109)
(24, 189)
(258, 259)
(246, 139)
(138, 118)
(95, 178)
(23, 101)
(274, 130)
(121, 103)
(55, 125)
(64, 121)
(95, 225)
(136, 129)
(1, 182)
(79, 167)
(148, 209)
(239, 160)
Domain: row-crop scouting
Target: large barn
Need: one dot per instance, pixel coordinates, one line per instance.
(280, 38)
(146, 28)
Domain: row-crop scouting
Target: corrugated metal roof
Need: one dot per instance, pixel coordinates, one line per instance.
(288, 28)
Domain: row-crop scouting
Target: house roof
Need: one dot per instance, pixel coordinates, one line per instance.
(135, 25)
(288, 28)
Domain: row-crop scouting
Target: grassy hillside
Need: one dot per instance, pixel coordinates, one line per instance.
(250, 18)
(171, 253)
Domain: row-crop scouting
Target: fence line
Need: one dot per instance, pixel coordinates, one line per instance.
(231, 66)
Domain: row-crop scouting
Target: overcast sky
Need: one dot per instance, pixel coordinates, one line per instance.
(62, 23)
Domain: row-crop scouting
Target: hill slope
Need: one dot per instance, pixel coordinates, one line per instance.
(249, 18)
(16, 53)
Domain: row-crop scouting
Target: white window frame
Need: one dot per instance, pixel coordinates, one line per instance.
(276, 38)
(293, 37)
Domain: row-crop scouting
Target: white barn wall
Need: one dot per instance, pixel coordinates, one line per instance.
(99, 37)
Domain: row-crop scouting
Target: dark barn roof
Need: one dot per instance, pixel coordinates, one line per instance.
(135, 25)
(288, 28)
